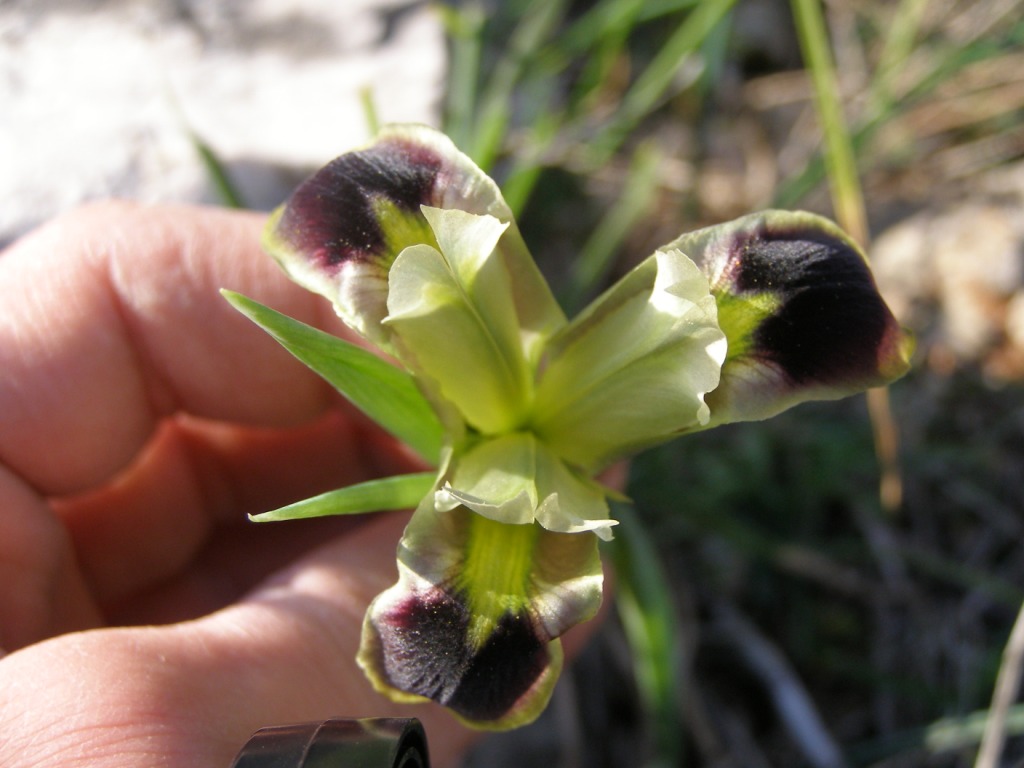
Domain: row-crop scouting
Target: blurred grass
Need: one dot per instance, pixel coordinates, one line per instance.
(614, 125)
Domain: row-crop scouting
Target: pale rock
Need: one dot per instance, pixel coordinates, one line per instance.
(101, 98)
(957, 274)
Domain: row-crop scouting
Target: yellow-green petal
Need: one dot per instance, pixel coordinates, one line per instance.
(452, 315)
(633, 368)
(516, 479)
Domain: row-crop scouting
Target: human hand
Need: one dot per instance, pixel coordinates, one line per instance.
(146, 621)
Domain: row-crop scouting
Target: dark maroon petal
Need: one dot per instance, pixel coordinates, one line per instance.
(342, 229)
(831, 320)
(335, 216)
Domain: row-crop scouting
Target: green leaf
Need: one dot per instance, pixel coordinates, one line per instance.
(385, 393)
(388, 493)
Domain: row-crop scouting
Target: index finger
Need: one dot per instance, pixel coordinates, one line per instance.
(111, 320)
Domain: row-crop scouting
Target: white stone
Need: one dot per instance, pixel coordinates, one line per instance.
(99, 98)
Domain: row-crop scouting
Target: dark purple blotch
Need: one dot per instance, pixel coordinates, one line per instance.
(832, 322)
(426, 653)
(330, 218)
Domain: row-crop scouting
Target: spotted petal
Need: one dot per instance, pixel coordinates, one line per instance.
(474, 619)
(341, 230)
(799, 306)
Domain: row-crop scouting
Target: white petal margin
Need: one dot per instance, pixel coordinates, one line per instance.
(633, 368)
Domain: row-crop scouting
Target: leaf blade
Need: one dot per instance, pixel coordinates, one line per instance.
(383, 494)
(385, 393)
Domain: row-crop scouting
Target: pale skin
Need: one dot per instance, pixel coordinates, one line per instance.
(143, 620)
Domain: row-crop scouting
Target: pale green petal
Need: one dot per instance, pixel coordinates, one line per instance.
(470, 351)
(468, 243)
(633, 368)
(570, 503)
(515, 479)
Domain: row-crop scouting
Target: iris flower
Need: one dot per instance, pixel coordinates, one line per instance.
(520, 408)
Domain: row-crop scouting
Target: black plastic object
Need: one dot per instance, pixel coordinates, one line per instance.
(341, 743)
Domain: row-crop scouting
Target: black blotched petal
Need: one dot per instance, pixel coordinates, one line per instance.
(474, 619)
(334, 217)
(831, 320)
(342, 229)
(425, 652)
(801, 311)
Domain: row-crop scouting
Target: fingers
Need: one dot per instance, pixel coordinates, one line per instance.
(193, 693)
(42, 590)
(170, 540)
(112, 319)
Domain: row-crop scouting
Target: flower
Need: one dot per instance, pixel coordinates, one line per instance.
(419, 253)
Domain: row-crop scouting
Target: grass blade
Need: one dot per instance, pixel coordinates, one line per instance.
(649, 617)
(465, 27)
(535, 26)
(848, 202)
(655, 81)
(229, 195)
(841, 167)
(596, 257)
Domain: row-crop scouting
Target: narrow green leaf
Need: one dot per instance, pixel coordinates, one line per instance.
(464, 26)
(385, 393)
(229, 195)
(655, 83)
(840, 161)
(643, 597)
(535, 26)
(385, 494)
(369, 106)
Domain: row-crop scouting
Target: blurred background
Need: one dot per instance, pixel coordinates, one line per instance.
(834, 587)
